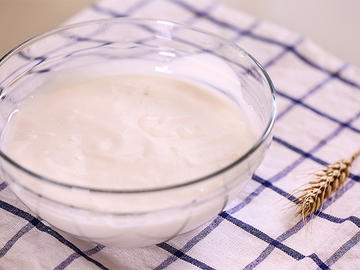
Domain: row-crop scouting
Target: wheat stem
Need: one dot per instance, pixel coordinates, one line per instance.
(328, 181)
(354, 156)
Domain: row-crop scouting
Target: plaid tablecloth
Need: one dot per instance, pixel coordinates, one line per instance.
(318, 123)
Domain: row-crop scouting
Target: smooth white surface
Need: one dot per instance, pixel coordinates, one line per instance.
(126, 131)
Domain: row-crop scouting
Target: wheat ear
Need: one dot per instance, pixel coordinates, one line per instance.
(327, 181)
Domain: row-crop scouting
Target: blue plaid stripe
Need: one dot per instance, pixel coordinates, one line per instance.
(183, 256)
(343, 249)
(265, 183)
(313, 90)
(311, 108)
(273, 242)
(76, 255)
(3, 185)
(282, 53)
(46, 229)
(16, 237)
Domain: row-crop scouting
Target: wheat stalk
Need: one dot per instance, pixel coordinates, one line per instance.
(328, 181)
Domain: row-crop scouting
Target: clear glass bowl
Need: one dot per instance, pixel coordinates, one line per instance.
(139, 217)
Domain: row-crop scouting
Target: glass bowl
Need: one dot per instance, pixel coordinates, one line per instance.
(137, 217)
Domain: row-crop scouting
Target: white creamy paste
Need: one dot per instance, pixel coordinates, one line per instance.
(131, 124)
(126, 131)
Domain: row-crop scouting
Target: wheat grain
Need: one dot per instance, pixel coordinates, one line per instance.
(327, 182)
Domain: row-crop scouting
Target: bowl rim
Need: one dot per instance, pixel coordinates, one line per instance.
(265, 134)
